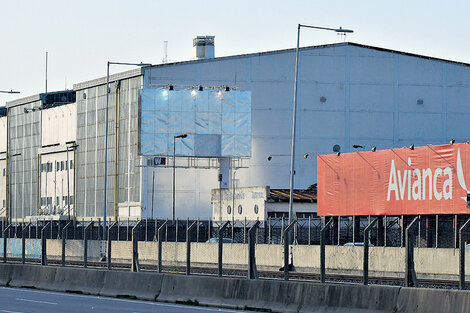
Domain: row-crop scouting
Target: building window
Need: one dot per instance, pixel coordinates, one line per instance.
(71, 164)
(66, 165)
(4, 172)
(62, 165)
(49, 167)
(57, 166)
(240, 209)
(306, 215)
(57, 201)
(49, 200)
(278, 214)
(229, 209)
(256, 209)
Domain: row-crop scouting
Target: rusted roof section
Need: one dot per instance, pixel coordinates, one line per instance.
(300, 195)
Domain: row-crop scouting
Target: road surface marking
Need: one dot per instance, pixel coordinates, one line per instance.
(36, 301)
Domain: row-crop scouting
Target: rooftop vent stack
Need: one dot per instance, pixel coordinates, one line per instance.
(203, 47)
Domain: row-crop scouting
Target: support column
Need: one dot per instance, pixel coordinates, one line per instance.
(454, 227)
(403, 225)
(410, 273)
(380, 231)
(334, 231)
(428, 232)
(356, 228)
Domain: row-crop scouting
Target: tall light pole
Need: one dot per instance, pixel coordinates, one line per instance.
(294, 111)
(174, 168)
(106, 137)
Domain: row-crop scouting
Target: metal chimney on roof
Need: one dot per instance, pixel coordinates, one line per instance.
(203, 47)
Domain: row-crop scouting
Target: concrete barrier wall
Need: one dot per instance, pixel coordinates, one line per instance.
(388, 261)
(267, 295)
(74, 249)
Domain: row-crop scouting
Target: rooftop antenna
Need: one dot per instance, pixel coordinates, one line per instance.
(46, 71)
(165, 52)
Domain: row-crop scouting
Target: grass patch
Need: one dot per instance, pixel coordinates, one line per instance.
(188, 302)
(126, 297)
(249, 308)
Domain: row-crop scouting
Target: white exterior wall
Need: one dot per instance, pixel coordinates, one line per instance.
(371, 99)
(245, 201)
(59, 124)
(3, 186)
(3, 149)
(3, 134)
(300, 207)
(57, 184)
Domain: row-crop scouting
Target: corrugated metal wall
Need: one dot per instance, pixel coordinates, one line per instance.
(91, 116)
(24, 141)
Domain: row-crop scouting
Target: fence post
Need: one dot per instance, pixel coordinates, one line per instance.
(5, 242)
(160, 235)
(365, 279)
(287, 233)
(44, 244)
(252, 271)
(23, 243)
(188, 248)
(176, 229)
(64, 232)
(462, 255)
(109, 242)
(322, 250)
(85, 244)
(410, 274)
(221, 230)
(135, 248)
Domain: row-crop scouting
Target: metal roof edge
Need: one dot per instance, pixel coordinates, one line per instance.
(102, 80)
(407, 54)
(24, 100)
(309, 48)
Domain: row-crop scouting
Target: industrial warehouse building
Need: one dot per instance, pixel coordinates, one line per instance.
(52, 146)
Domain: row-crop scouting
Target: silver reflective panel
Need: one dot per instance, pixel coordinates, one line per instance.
(218, 123)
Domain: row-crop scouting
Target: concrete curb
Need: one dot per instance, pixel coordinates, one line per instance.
(267, 295)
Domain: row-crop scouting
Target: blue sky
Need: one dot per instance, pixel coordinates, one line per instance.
(81, 36)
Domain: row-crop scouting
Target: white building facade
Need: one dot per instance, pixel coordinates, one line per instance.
(348, 94)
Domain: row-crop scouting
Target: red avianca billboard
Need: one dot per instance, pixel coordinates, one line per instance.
(425, 180)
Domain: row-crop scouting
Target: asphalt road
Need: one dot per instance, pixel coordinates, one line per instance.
(14, 300)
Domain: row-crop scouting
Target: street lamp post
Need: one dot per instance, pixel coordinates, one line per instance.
(294, 115)
(106, 137)
(174, 168)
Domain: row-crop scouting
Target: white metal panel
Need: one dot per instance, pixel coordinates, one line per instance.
(419, 71)
(59, 124)
(3, 134)
(409, 99)
(458, 99)
(57, 184)
(3, 184)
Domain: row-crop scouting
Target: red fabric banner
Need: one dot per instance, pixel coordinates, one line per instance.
(426, 180)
